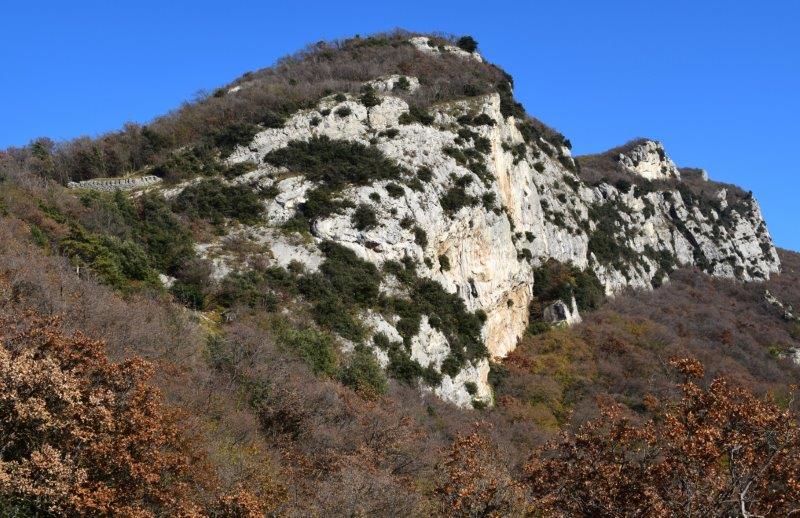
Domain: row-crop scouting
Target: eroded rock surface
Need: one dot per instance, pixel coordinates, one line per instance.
(524, 203)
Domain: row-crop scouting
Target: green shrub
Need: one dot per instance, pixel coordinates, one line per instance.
(623, 185)
(332, 313)
(369, 98)
(602, 241)
(470, 90)
(571, 182)
(228, 138)
(508, 106)
(343, 284)
(471, 387)
(467, 43)
(211, 199)
(444, 263)
(196, 161)
(272, 119)
(479, 404)
(483, 120)
(451, 365)
(343, 111)
(363, 373)
(39, 237)
(538, 328)
(189, 294)
(554, 280)
(482, 144)
(340, 98)
(402, 84)
(402, 367)
(425, 174)
(394, 190)
(431, 376)
(352, 278)
(364, 217)
(416, 114)
(320, 204)
(238, 170)
(118, 262)
(315, 347)
(456, 154)
(420, 237)
(389, 133)
(168, 244)
(246, 288)
(415, 185)
(382, 342)
(488, 200)
(455, 198)
(407, 222)
(336, 163)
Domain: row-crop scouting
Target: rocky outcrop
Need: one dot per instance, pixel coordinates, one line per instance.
(693, 173)
(426, 45)
(786, 310)
(395, 83)
(562, 314)
(115, 184)
(498, 200)
(648, 159)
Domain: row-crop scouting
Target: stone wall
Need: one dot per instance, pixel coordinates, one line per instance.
(115, 184)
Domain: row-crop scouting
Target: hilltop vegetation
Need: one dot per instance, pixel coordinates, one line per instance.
(219, 121)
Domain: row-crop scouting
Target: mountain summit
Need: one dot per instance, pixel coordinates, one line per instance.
(469, 197)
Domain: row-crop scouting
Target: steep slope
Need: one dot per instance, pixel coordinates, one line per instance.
(477, 199)
(254, 396)
(415, 211)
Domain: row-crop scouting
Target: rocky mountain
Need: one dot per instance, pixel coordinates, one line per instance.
(364, 281)
(476, 197)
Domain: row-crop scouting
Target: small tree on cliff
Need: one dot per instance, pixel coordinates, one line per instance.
(467, 43)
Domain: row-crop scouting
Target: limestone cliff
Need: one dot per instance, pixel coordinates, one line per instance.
(489, 198)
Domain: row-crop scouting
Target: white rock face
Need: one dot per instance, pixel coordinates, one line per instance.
(529, 207)
(649, 160)
(786, 309)
(422, 43)
(561, 313)
(430, 346)
(394, 82)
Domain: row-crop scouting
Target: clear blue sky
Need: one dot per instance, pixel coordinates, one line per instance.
(717, 81)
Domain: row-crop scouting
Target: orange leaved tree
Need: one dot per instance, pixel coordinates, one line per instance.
(474, 481)
(80, 435)
(719, 451)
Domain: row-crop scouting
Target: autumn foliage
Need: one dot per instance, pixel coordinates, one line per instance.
(474, 482)
(82, 436)
(719, 451)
